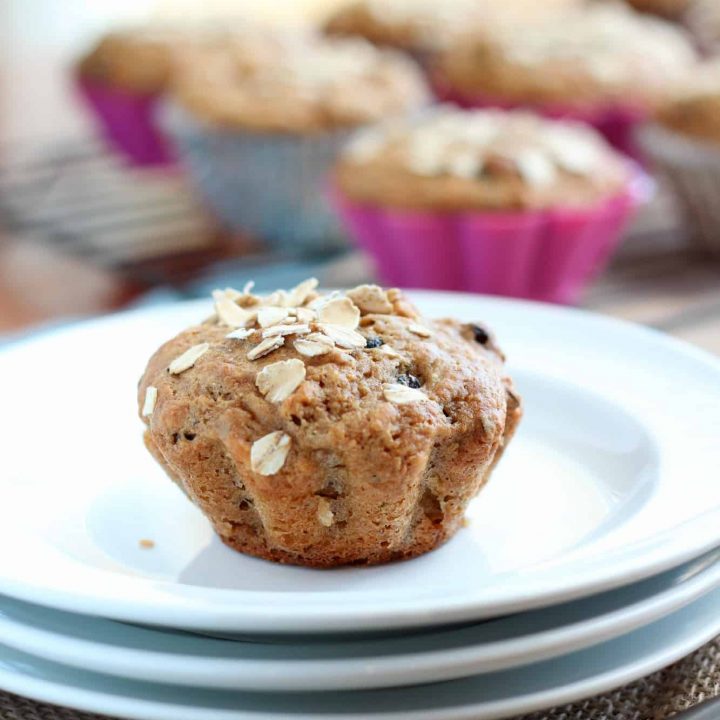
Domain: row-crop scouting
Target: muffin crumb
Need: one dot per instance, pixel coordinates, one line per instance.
(146, 544)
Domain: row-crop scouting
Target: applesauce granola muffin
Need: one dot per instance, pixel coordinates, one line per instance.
(326, 430)
(137, 60)
(506, 203)
(448, 159)
(259, 123)
(295, 83)
(593, 58)
(122, 79)
(424, 26)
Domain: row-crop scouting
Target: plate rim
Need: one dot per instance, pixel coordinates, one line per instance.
(397, 670)
(650, 660)
(191, 610)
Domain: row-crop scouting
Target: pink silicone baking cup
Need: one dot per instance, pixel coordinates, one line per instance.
(617, 123)
(549, 255)
(128, 123)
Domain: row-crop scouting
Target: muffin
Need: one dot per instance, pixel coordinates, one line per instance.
(684, 145)
(259, 122)
(121, 78)
(422, 27)
(485, 200)
(604, 65)
(326, 430)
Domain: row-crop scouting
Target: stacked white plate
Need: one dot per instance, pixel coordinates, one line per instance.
(587, 562)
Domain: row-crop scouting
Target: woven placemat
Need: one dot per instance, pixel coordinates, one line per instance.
(655, 697)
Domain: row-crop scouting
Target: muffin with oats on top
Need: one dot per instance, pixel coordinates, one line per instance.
(327, 430)
(603, 64)
(488, 201)
(259, 122)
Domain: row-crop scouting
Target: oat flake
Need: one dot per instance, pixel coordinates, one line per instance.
(151, 394)
(325, 514)
(268, 454)
(281, 379)
(402, 394)
(265, 347)
(295, 329)
(188, 358)
(419, 330)
(314, 344)
(340, 311)
(343, 337)
(370, 299)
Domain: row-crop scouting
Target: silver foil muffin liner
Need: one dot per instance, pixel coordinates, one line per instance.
(692, 168)
(270, 186)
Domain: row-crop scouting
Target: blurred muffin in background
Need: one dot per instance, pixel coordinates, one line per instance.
(703, 20)
(684, 144)
(603, 64)
(422, 27)
(485, 200)
(121, 79)
(260, 120)
(672, 9)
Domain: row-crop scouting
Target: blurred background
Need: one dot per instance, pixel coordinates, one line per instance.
(103, 207)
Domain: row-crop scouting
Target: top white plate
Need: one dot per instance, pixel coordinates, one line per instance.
(611, 478)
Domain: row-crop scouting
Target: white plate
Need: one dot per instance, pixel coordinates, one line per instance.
(484, 697)
(167, 656)
(611, 479)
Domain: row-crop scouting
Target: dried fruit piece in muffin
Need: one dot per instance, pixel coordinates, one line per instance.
(326, 447)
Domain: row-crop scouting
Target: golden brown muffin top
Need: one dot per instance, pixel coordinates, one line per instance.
(587, 58)
(304, 366)
(694, 108)
(427, 25)
(296, 83)
(140, 59)
(450, 159)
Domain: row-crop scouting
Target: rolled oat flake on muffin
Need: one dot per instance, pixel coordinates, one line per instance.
(268, 454)
(314, 344)
(401, 394)
(340, 311)
(265, 347)
(279, 380)
(188, 358)
(342, 336)
(151, 394)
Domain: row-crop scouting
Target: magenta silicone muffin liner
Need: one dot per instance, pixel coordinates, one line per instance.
(549, 255)
(128, 123)
(617, 123)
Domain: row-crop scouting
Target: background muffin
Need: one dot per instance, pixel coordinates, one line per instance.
(122, 77)
(355, 432)
(602, 64)
(424, 26)
(684, 144)
(485, 200)
(260, 121)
